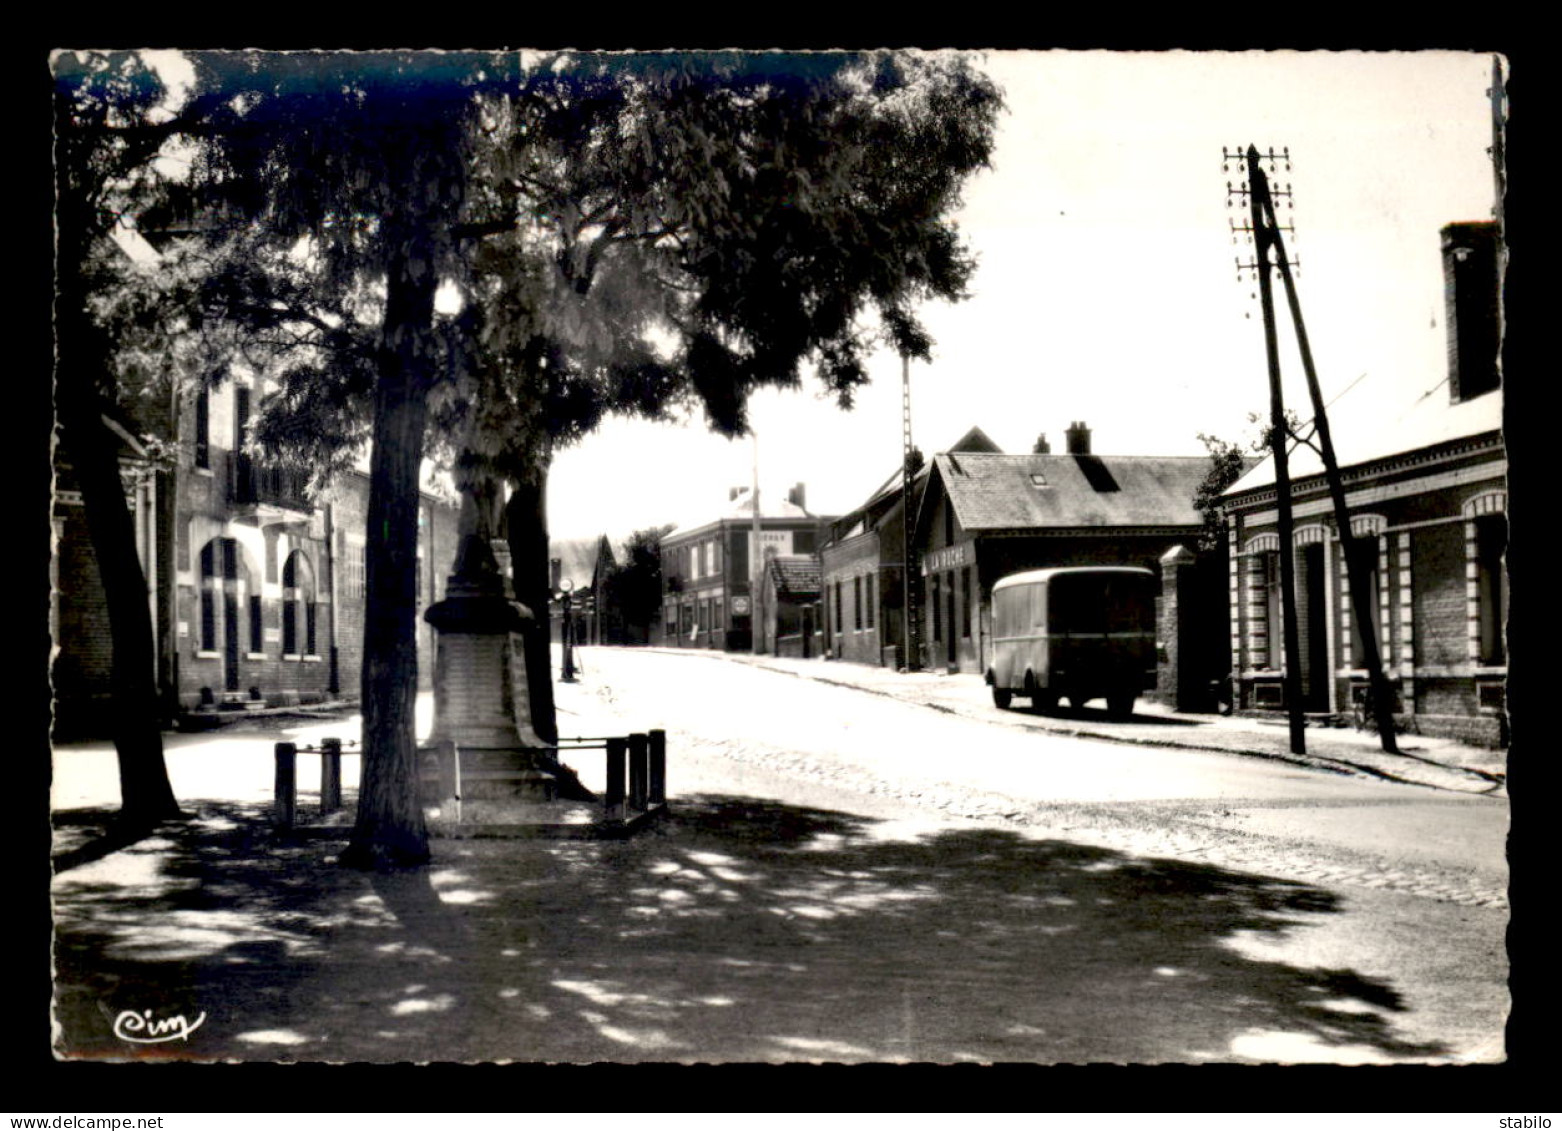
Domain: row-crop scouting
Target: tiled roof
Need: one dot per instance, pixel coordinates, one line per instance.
(796, 575)
(1362, 437)
(1000, 492)
(770, 506)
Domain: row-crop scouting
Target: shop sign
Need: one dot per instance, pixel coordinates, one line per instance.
(949, 557)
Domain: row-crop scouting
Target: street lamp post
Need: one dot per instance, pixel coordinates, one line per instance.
(567, 631)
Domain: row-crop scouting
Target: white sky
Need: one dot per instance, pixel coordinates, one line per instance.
(1106, 290)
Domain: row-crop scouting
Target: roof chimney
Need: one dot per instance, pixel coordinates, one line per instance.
(733, 493)
(797, 495)
(1470, 284)
(1042, 448)
(1078, 439)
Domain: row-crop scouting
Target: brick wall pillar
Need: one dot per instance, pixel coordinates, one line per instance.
(1174, 672)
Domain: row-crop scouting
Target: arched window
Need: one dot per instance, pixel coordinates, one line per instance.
(1265, 624)
(209, 594)
(1365, 533)
(1491, 584)
(1486, 550)
(228, 597)
(298, 606)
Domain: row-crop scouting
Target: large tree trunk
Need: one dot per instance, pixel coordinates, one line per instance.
(391, 830)
(146, 797)
(526, 528)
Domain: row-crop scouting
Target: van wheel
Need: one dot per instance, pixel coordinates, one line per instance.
(1121, 705)
(1002, 697)
(1041, 702)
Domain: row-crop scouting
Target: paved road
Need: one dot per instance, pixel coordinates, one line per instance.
(1220, 808)
(844, 876)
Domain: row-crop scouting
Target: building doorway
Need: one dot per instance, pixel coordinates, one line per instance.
(951, 637)
(1311, 583)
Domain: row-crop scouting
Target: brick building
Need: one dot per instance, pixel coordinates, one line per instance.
(707, 575)
(255, 583)
(861, 570)
(984, 516)
(1428, 487)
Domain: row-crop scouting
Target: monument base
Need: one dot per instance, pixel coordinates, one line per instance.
(497, 774)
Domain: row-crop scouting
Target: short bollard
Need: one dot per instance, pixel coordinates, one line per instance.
(658, 784)
(613, 800)
(287, 784)
(639, 757)
(330, 775)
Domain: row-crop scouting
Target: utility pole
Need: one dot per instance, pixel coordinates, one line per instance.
(756, 562)
(1356, 565)
(911, 637)
(1279, 438)
(1266, 230)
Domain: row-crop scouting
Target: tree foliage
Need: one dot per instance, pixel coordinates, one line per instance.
(635, 587)
(1228, 462)
(634, 233)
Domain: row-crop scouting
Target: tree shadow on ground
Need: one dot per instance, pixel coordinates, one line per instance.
(738, 930)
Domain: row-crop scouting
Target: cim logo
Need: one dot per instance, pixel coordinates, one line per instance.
(145, 1029)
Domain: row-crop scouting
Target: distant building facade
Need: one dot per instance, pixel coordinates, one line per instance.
(1428, 490)
(708, 596)
(586, 564)
(984, 516)
(256, 585)
(979, 514)
(862, 570)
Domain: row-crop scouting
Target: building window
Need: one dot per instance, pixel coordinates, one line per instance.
(351, 554)
(1268, 609)
(857, 603)
(839, 623)
(1491, 547)
(1368, 549)
(209, 597)
(938, 606)
(949, 523)
(298, 606)
(203, 424)
(869, 602)
(243, 466)
(257, 639)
